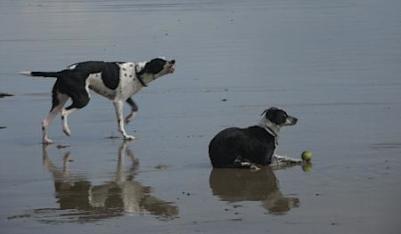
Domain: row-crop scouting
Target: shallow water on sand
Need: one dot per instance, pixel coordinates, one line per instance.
(332, 64)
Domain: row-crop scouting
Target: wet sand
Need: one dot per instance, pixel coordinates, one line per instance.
(332, 64)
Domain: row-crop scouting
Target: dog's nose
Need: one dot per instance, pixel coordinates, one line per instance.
(172, 62)
(294, 120)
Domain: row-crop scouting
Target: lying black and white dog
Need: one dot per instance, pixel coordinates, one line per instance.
(245, 147)
(117, 81)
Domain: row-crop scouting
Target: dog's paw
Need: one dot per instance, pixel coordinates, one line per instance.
(47, 141)
(249, 165)
(286, 159)
(129, 138)
(67, 131)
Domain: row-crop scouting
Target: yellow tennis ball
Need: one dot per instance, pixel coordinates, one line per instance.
(306, 155)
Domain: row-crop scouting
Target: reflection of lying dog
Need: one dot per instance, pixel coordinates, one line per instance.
(235, 185)
(242, 147)
(114, 198)
(117, 81)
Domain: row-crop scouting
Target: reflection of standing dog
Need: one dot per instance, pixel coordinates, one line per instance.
(122, 194)
(117, 81)
(234, 185)
(243, 147)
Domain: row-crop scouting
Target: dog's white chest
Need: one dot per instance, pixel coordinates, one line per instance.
(128, 85)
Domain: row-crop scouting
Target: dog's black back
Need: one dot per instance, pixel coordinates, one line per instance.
(253, 144)
(72, 81)
(79, 72)
(110, 71)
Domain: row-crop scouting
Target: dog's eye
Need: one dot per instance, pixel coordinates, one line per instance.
(283, 117)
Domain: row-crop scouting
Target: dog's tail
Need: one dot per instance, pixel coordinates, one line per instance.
(38, 73)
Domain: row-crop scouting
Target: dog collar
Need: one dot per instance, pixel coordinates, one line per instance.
(138, 76)
(272, 129)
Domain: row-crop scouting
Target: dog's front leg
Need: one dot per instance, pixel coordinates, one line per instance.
(118, 105)
(133, 111)
(285, 159)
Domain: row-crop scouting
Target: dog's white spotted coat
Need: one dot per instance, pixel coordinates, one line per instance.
(128, 85)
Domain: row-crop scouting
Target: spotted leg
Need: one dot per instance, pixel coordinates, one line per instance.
(134, 110)
(58, 100)
(118, 105)
(64, 119)
(79, 100)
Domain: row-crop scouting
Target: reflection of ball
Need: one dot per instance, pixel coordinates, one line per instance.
(307, 167)
(306, 155)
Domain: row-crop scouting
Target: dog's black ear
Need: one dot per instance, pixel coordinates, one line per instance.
(264, 112)
(276, 115)
(269, 111)
(155, 66)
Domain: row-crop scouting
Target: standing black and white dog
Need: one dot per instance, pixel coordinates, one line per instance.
(117, 81)
(245, 147)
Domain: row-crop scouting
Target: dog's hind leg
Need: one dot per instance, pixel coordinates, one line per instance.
(239, 162)
(78, 102)
(58, 101)
(118, 105)
(133, 111)
(64, 119)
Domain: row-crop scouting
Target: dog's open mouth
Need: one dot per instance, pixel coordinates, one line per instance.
(171, 66)
(171, 69)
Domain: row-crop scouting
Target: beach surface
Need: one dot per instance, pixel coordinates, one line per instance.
(335, 65)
